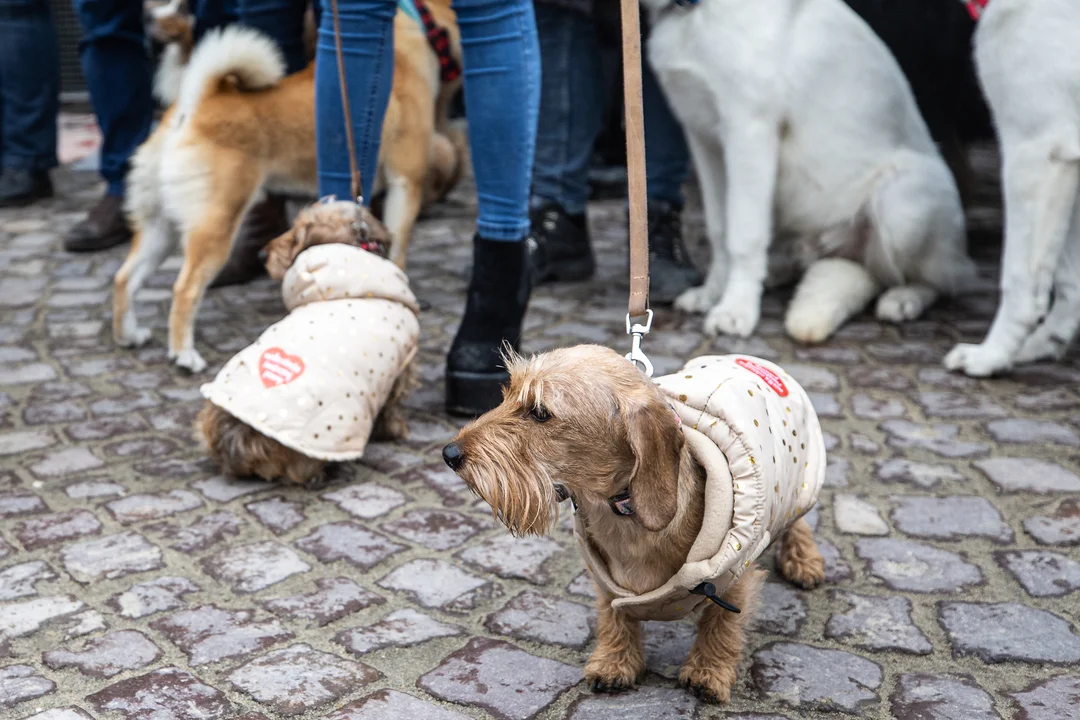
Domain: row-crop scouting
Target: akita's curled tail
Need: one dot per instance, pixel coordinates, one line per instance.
(246, 57)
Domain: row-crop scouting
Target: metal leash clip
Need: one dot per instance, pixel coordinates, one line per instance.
(636, 331)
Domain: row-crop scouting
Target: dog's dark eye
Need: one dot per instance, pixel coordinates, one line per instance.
(539, 414)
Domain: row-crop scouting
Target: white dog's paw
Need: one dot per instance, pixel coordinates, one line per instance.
(134, 337)
(902, 304)
(698, 300)
(733, 318)
(808, 324)
(976, 360)
(189, 359)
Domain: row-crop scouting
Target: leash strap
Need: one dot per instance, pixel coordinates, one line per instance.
(635, 171)
(354, 170)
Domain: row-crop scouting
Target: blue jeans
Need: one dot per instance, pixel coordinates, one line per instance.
(571, 103)
(118, 75)
(29, 85)
(282, 20)
(502, 94)
(210, 14)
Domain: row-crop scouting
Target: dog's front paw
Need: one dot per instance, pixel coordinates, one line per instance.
(977, 360)
(733, 318)
(609, 675)
(697, 300)
(189, 359)
(133, 337)
(709, 684)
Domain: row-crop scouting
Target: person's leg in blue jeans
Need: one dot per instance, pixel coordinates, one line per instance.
(282, 20)
(502, 88)
(29, 101)
(667, 163)
(571, 103)
(118, 75)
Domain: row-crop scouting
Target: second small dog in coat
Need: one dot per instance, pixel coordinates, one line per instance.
(678, 485)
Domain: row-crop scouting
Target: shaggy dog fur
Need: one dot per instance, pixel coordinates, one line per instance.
(585, 423)
(239, 449)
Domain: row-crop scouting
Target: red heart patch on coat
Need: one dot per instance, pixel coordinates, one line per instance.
(277, 367)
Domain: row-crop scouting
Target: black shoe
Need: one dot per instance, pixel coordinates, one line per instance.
(21, 187)
(562, 246)
(498, 295)
(105, 226)
(671, 272)
(263, 222)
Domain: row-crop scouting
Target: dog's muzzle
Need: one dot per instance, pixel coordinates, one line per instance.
(453, 456)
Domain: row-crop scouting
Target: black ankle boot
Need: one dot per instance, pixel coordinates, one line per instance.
(671, 272)
(563, 248)
(498, 295)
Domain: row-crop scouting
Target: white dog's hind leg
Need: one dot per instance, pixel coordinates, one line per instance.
(1040, 193)
(905, 302)
(149, 248)
(832, 291)
(1059, 328)
(709, 161)
(751, 159)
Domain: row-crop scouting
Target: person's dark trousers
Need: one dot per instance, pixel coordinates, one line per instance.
(282, 20)
(118, 74)
(210, 14)
(29, 98)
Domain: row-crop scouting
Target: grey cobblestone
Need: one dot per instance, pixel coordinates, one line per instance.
(949, 523)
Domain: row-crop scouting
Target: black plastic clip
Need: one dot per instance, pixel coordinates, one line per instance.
(709, 590)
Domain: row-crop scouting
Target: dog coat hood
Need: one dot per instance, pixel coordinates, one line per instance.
(316, 380)
(753, 429)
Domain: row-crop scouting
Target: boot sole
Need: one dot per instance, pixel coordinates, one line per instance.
(470, 394)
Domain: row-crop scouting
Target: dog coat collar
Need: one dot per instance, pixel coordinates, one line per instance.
(437, 37)
(976, 8)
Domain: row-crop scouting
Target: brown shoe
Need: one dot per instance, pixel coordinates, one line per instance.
(104, 227)
(263, 222)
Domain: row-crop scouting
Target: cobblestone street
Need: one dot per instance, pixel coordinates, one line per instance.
(136, 583)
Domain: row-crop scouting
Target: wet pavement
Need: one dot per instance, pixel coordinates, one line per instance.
(135, 582)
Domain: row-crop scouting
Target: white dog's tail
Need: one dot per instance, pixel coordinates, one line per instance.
(248, 58)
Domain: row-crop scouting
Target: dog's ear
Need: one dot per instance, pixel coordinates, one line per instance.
(279, 254)
(656, 442)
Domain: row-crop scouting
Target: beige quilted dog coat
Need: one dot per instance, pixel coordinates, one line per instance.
(753, 429)
(316, 380)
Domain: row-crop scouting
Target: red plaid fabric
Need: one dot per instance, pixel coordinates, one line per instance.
(976, 8)
(439, 39)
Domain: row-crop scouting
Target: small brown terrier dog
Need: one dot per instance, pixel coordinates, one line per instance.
(239, 449)
(585, 423)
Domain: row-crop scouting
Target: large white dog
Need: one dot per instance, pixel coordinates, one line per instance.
(802, 126)
(1028, 56)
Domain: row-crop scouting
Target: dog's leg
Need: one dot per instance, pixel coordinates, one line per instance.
(206, 250)
(709, 161)
(1040, 194)
(619, 657)
(712, 668)
(905, 302)
(1059, 328)
(391, 423)
(799, 559)
(404, 192)
(832, 291)
(751, 158)
(149, 247)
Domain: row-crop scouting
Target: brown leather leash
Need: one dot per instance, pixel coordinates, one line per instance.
(635, 183)
(354, 170)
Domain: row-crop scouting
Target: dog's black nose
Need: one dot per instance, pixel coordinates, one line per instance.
(263, 255)
(453, 455)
